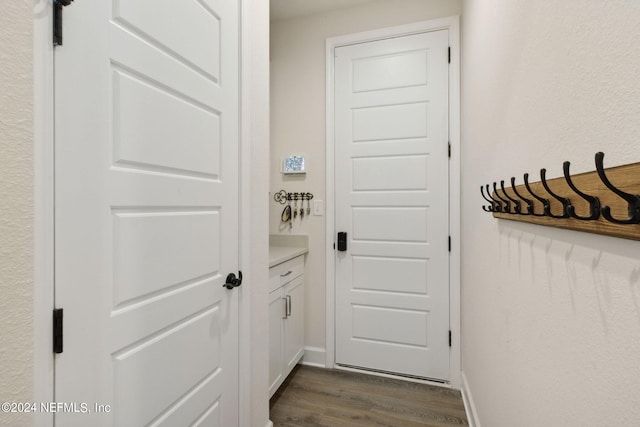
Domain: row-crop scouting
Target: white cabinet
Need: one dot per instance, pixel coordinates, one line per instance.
(286, 319)
(294, 324)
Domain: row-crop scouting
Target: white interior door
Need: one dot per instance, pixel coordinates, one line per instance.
(146, 212)
(392, 199)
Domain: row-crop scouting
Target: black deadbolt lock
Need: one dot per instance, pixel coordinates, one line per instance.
(342, 241)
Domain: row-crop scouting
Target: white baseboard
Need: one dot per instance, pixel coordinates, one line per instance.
(269, 424)
(314, 356)
(469, 406)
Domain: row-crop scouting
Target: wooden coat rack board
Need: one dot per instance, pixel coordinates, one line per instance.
(609, 202)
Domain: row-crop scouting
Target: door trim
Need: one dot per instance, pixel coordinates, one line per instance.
(43, 196)
(244, 220)
(452, 24)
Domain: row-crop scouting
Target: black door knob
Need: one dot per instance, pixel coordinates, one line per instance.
(233, 281)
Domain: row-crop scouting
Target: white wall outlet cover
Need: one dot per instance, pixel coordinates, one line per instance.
(318, 207)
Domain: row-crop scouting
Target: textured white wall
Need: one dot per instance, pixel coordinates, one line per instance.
(298, 117)
(551, 318)
(16, 208)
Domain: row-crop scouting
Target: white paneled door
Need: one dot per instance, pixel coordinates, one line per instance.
(146, 213)
(392, 200)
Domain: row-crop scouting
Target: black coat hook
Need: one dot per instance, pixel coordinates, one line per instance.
(507, 204)
(594, 202)
(565, 202)
(517, 207)
(633, 201)
(498, 204)
(490, 208)
(529, 202)
(545, 202)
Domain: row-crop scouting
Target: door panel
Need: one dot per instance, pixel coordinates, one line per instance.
(190, 32)
(146, 205)
(375, 274)
(141, 139)
(372, 323)
(156, 251)
(367, 71)
(391, 174)
(389, 122)
(146, 378)
(367, 176)
(410, 224)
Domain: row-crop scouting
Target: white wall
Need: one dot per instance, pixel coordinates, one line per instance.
(551, 318)
(16, 208)
(298, 118)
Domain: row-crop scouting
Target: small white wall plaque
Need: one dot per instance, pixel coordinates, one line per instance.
(293, 165)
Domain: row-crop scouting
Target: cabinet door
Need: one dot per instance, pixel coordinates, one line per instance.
(294, 325)
(276, 337)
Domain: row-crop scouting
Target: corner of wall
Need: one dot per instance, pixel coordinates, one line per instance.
(469, 405)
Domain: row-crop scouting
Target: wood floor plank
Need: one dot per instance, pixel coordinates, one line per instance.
(316, 397)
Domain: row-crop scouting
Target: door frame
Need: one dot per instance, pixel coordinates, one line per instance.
(452, 24)
(43, 200)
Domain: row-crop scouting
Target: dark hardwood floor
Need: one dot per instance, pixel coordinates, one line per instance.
(326, 397)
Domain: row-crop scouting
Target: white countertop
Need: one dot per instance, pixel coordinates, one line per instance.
(280, 254)
(282, 248)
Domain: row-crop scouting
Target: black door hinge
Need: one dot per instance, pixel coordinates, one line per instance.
(449, 150)
(449, 243)
(57, 330)
(449, 54)
(57, 20)
(449, 338)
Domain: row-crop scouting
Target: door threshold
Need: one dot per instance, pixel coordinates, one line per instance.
(394, 375)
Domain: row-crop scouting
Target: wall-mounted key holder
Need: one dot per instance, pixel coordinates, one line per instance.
(298, 209)
(605, 201)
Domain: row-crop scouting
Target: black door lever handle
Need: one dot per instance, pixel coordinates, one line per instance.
(233, 281)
